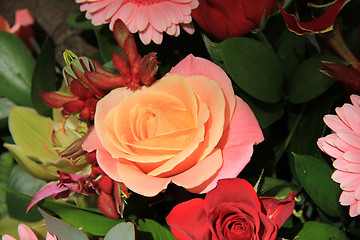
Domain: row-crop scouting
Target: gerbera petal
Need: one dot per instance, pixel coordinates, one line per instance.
(355, 100)
(352, 116)
(146, 35)
(353, 210)
(352, 156)
(334, 122)
(338, 176)
(350, 182)
(346, 166)
(188, 27)
(357, 193)
(347, 198)
(112, 8)
(143, 17)
(350, 137)
(25, 233)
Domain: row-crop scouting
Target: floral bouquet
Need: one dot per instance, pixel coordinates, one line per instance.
(195, 119)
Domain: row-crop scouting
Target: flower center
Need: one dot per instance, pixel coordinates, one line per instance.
(145, 2)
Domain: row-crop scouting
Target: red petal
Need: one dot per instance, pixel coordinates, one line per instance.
(148, 69)
(56, 100)
(107, 206)
(322, 24)
(121, 33)
(81, 77)
(106, 184)
(78, 89)
(105, 81)
(121, 64)
(74, 106)
(278, 211)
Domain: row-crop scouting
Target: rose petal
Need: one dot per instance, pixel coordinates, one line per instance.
(188, 220)
(139, 182)
(201, 172)
(199, 66)
(237, 142)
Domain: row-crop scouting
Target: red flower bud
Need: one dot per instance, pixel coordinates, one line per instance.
(230, 18)
(107, 206)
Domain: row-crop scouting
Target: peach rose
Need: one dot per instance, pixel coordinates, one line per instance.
(187, 128)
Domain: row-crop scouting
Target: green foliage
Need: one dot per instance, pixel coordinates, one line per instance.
(320, 231)
(150, 230)
(16, 67)
(307, 82)
(125, 230)
(315, 176)
(78, 20)
(254, 67)
(44, 77)
(61, 229)
(106, 42)
(5, 105)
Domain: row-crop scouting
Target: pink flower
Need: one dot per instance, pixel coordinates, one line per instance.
(148, 17)
(25, 233)
(344, 145)
(230, 211)
(187, 128)
(22, 27)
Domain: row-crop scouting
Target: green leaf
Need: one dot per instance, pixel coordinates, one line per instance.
(5, 105)
(291, 51)
(277, 188)
(22, 182)
(43, 78)
(311, 126)
(60, 229)
(254, 67)
(307, 82)
(265, 113)
(78, 20)
(16, 67)
(320, 231)
(213, 51)
(150, 229)
(107, 43)
(78, 217)
(126, 230)
(315, 176)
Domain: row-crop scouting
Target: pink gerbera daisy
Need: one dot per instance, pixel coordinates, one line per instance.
(344, 145)
(148, 17)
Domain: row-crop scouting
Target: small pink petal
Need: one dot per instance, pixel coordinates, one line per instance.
(350, 182)
(25, 233)
(7, 237)
(353, 210)
(350, 137)
(188, 27)
(143, 17)
(352, 156)
(355, 100)
(334, 122)
(346, 166)
(347, 198)
(338, 176)
(352, 116)
(357, 193)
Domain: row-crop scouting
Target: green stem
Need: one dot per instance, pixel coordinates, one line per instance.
(262, 38)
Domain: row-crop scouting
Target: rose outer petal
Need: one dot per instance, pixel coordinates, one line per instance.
(237, 142)
(188, 220)
(191, 65)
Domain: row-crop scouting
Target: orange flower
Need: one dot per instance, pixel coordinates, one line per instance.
(187, 128)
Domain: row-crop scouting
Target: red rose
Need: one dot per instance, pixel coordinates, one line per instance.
(230, 18)
(230, 211)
